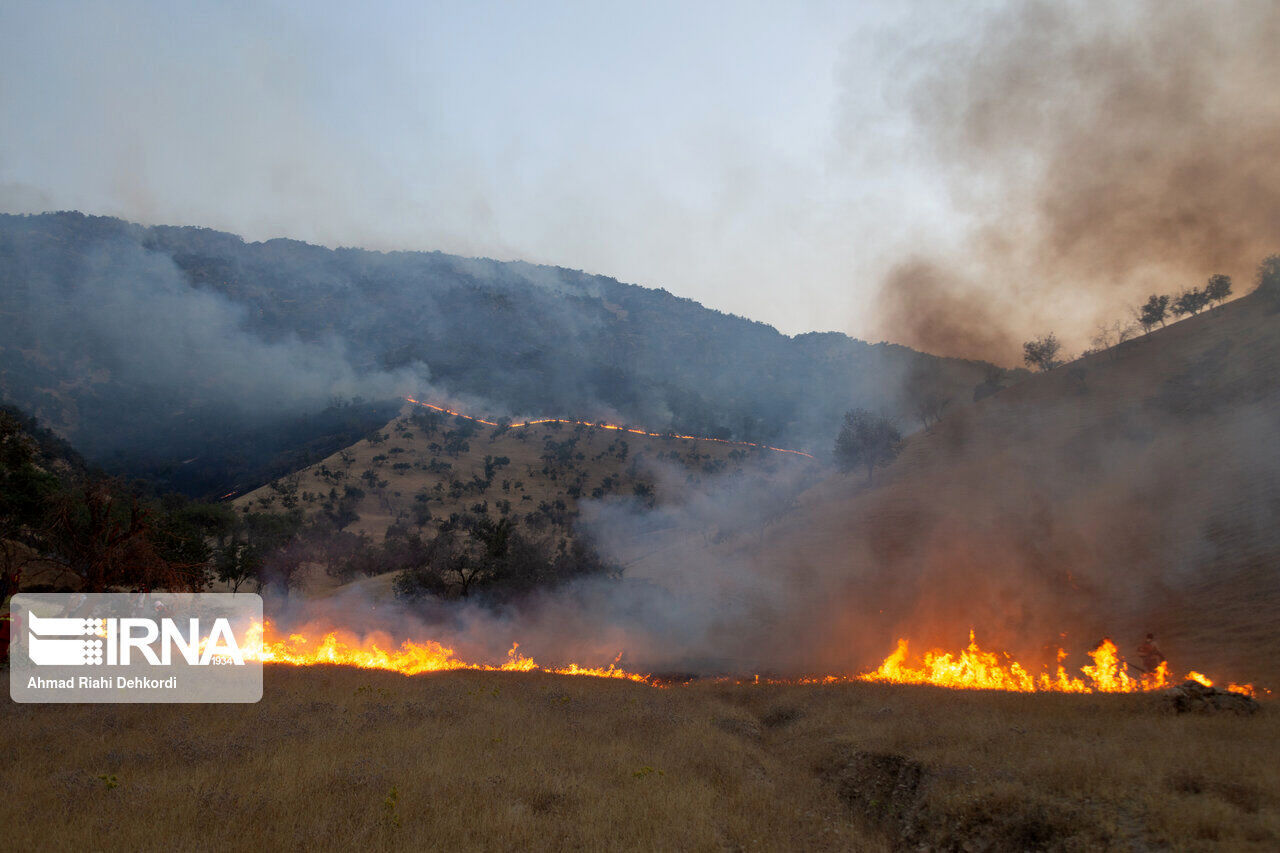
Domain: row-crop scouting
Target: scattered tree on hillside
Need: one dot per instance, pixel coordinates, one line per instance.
(644, 491)
(1042, 353)
(1269, 277)
(236, 563)
(287, 490)
(1109, 335)
(1158, 307)
(1191, 302)
(927, 393)
(102, 536)
(477, 555)
(250, 550)
(334, 549)
(1218, 289)
(492, 464)
(1156, 310)
(282, 566)
(866, 441)
(185, 532)
(25, 488)
(992, 381)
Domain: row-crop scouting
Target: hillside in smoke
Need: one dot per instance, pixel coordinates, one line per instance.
(426, 473)
(211, 364)
(1133, 490)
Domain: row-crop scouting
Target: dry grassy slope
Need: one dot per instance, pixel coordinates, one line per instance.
(1134, 489)
(512, 761)
(606, 460)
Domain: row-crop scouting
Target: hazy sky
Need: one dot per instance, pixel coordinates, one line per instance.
(779, 161)
(738, 154)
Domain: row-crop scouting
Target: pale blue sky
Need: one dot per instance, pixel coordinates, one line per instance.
(746, 155)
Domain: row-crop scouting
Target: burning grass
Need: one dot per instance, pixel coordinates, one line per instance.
(973, 668)
(336, 757)
(607, 426)
(408, 658)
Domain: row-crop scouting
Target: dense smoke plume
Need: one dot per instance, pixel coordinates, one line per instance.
(1134, 491)
(686, 601)
(112, 344)
(154, 328)
(1102, 152)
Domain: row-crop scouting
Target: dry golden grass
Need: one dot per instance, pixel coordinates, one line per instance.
(336, 758)
(1009, 771)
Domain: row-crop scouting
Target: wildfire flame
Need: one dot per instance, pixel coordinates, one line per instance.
(602, 425)
(977, 669)
(410, 658)
(971, 669)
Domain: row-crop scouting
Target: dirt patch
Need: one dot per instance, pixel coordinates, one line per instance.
(916, 807)
(883, 789)
(1017, 821)
(780, 716)
(1246, 798)
(743, 727)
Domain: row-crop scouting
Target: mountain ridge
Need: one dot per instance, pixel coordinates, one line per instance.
(149, 345)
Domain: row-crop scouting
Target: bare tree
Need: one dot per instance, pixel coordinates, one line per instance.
(1109, 335)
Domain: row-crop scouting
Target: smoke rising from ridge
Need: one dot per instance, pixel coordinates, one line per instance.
(1104, 152)
(127, 320)
(1135, 492)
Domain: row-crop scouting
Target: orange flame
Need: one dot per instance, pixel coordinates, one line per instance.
(971, 669)
(976, 669)
(602, 425)
(1245, 689)
(410, 658)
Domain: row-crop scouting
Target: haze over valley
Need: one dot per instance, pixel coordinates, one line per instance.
(720, 426)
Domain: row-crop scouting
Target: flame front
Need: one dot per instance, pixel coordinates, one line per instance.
(977, 669)
(602, 425)
(409, 658)
(971, 669)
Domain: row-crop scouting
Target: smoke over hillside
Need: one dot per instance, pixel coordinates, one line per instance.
(1103, 152)
(149, 346)
(1135, 491)
(133, 316)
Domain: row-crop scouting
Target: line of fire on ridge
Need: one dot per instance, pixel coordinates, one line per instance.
(601, 425)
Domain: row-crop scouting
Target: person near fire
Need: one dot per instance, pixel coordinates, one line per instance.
(1150, 654)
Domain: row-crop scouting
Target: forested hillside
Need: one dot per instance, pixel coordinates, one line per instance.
(211, 364)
